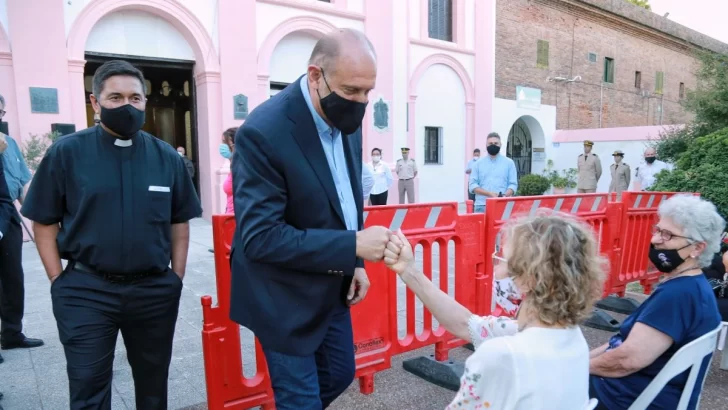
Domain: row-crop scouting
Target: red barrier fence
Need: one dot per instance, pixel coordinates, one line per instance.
(622, 228)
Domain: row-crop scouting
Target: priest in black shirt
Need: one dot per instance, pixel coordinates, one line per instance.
(115, 202)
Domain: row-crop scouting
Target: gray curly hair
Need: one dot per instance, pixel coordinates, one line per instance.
(699, 220)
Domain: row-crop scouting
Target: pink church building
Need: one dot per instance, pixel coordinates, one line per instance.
(208, 63)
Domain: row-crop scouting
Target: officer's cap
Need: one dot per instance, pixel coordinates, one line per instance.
(405, 149)
(588, 143)
(618, 152)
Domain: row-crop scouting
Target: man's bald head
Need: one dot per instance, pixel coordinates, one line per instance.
(343, 43)
(650, 152)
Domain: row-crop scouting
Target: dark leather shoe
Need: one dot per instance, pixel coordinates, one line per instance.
(1, 360)
(21, 342)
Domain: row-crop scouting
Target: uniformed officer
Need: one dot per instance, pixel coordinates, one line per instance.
(620, 174)
(590, 170)
(115, 202)
(406, 171)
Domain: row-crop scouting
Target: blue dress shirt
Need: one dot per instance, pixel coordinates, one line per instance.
(493, 174)
(331, 140)
(16, 171)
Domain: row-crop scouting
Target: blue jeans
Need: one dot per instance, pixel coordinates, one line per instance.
(479, 209)
(313, 382)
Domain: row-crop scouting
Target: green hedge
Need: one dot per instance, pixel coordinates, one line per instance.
(530, 185)
(703, 168)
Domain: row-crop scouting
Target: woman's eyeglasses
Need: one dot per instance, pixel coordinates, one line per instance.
(498, 260)
(666, 235)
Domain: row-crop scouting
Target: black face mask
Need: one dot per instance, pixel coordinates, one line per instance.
(650, 159)
(666, 260)
(345, 115)
(125, 120)
(493, 149)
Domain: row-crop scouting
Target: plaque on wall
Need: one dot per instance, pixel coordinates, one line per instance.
(43, 100)
(240, 106)
(381, 115)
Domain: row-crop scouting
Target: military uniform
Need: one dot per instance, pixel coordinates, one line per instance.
(589, 167)
(406, 171)
(620, 176)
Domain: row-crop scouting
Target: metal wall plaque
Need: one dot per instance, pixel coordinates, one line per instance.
(44, 100)
(240, 106)
(381, 115)
(529, 98)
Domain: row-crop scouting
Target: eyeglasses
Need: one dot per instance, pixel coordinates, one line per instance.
(2, 112)
(498, 260)
(666, 235)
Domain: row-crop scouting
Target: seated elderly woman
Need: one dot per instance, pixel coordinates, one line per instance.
(681, 309)
(541, 360)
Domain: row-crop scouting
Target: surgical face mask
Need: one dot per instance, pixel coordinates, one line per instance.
(650, 159)
(493, 149)
(376, 158)
(180, 154)
(476, 157)
(666, 260)
(126, 120)
(225, 151)
(345, 115)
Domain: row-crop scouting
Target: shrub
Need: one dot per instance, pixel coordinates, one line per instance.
(36, 147)
(701, 168)
(566, 178)
(532, 184)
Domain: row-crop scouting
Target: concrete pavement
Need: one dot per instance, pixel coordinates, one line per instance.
(36, 379)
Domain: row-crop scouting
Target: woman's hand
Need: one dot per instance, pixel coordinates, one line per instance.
(398, 254)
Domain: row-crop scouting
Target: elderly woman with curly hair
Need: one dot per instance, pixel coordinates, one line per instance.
(681, 309)
(540, 360)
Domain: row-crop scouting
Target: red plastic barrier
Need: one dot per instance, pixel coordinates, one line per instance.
(595, 209)
(639, 215)
(227, 387)
(374, 320)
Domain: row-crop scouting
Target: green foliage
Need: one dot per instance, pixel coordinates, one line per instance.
(709, 101)
(701, 168)
(532, 184)
(566, 178)
(36, 147)
(645, 4)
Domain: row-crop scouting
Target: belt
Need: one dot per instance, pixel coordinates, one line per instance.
(112, 277)
(405, 179)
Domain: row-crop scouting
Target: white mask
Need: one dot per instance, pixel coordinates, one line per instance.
(376, 158)
(180, 154)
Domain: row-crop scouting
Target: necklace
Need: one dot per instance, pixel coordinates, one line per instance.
(681, 272)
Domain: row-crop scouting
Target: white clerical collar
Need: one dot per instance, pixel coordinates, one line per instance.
(123, 143)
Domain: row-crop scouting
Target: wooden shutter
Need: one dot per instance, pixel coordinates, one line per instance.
(440, 19)
(542, 54)
(659, 82)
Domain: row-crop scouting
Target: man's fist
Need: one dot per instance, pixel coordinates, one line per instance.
(371, 242)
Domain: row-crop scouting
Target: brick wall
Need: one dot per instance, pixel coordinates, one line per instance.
(573, 31)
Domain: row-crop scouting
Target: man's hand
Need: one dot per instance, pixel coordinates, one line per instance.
(509, 192)
(3, 143)
(398, 256)
(53, 278)
(359, 287)
(371, 242)
(468, 171)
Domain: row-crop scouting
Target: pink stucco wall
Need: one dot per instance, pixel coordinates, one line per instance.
(49, 58)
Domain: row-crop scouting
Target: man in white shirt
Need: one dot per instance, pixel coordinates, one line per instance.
(367, 180)
(645, 173)
(469, 169)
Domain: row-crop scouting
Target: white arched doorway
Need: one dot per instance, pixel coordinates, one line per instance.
(290, 59)
(526, 145)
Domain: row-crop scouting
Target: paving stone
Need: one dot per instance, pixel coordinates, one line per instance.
(36, 378)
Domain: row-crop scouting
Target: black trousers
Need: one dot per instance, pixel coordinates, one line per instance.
(471, 196)
(379, 199)
(12, 282)
(91, 311)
